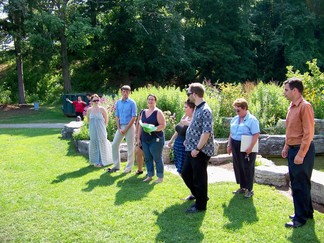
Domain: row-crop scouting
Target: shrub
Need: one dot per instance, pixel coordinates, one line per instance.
(268, 104)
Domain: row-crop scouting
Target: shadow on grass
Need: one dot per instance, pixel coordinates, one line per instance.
(132, 189)
(238, 211)
(104, 180)
(306, 232)
(187, 225)
(74, 174)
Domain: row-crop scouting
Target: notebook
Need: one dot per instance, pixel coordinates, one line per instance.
(245, 143)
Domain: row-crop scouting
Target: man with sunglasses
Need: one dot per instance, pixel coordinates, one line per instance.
(299, 150)
(126, 112)
(199, 145)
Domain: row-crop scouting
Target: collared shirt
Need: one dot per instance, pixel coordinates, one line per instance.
(202, 122)
(249, 126)
(125, 110)
(300, 125)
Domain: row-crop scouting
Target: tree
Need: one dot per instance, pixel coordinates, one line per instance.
(17, 11)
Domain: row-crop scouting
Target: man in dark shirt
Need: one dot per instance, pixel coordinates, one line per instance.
(199, 147)
(299, 150)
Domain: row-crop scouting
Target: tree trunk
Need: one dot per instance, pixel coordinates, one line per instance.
(65, 65)
(19, 60)
(61, 5)
(20, 73)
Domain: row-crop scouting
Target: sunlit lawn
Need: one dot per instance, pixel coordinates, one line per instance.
(45, 114)
(49, 193)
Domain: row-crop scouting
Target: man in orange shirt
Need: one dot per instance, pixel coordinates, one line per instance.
(299, 150)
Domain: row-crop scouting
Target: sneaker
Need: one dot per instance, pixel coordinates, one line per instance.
(240, 191)
(248, 194)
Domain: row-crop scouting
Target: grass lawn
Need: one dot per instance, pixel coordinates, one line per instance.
(49, 193)
(27, 114)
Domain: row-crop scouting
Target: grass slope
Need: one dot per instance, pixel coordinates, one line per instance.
(49, 193)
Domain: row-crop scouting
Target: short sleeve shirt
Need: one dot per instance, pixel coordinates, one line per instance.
(125, 110)
(249, 126)
(202, 122)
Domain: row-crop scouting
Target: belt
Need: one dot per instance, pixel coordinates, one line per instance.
(294, 146)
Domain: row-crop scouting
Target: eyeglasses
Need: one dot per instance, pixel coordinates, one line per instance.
(95, 101)
(189, 93)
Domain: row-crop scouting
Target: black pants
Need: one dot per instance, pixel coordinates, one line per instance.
(243, 167)
(194, 174)
(80, 114)
(300, 179)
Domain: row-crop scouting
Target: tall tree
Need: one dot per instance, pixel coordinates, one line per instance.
(17, 11)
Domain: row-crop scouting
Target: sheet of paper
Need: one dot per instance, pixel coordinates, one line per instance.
(245, 143)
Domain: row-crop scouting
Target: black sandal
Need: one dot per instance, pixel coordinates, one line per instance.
(110, 170)
(139, 172)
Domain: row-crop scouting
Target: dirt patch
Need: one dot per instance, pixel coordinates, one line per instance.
(15, 110)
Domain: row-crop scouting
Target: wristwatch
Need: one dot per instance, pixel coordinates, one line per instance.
(197, 149)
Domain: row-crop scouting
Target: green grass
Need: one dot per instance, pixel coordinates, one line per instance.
(49, 193)
(45, 114)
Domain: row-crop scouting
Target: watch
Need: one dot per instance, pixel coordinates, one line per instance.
(197, 149)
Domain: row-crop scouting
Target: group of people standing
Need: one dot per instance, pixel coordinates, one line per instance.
(193, 144)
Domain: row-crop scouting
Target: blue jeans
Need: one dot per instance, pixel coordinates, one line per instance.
(153, 152)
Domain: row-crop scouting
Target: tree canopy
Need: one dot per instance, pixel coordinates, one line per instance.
(96, 45)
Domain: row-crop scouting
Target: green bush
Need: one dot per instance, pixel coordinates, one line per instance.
(268, 104)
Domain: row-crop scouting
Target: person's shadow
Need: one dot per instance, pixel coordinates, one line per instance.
(129, 186)
(305, 233)
(105, 179)
(74, 174)
(238, 211)
(188, 225)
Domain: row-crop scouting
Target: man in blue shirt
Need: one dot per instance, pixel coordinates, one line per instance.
(126, 111)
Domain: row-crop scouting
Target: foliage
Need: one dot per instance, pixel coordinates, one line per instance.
(100, 44)
(268, 104)
(53, 195)
(4, 96)
(228, 93)
(314, 86)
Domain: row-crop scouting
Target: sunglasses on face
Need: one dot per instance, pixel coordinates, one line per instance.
(95, 101)
(189, 93)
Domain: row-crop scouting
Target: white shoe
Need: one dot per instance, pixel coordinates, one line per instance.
(158, 180)
(147, 179)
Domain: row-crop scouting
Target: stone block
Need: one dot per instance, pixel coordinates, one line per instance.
(82, 146)
(272, 175)
(166, 154)
(70, 128)
(220, 159)
(317, 191)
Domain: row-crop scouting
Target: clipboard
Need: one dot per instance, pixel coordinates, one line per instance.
(245, 143)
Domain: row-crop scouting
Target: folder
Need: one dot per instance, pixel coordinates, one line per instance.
(245, 143)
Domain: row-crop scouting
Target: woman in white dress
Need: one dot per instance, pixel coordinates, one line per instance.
(99, 147)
